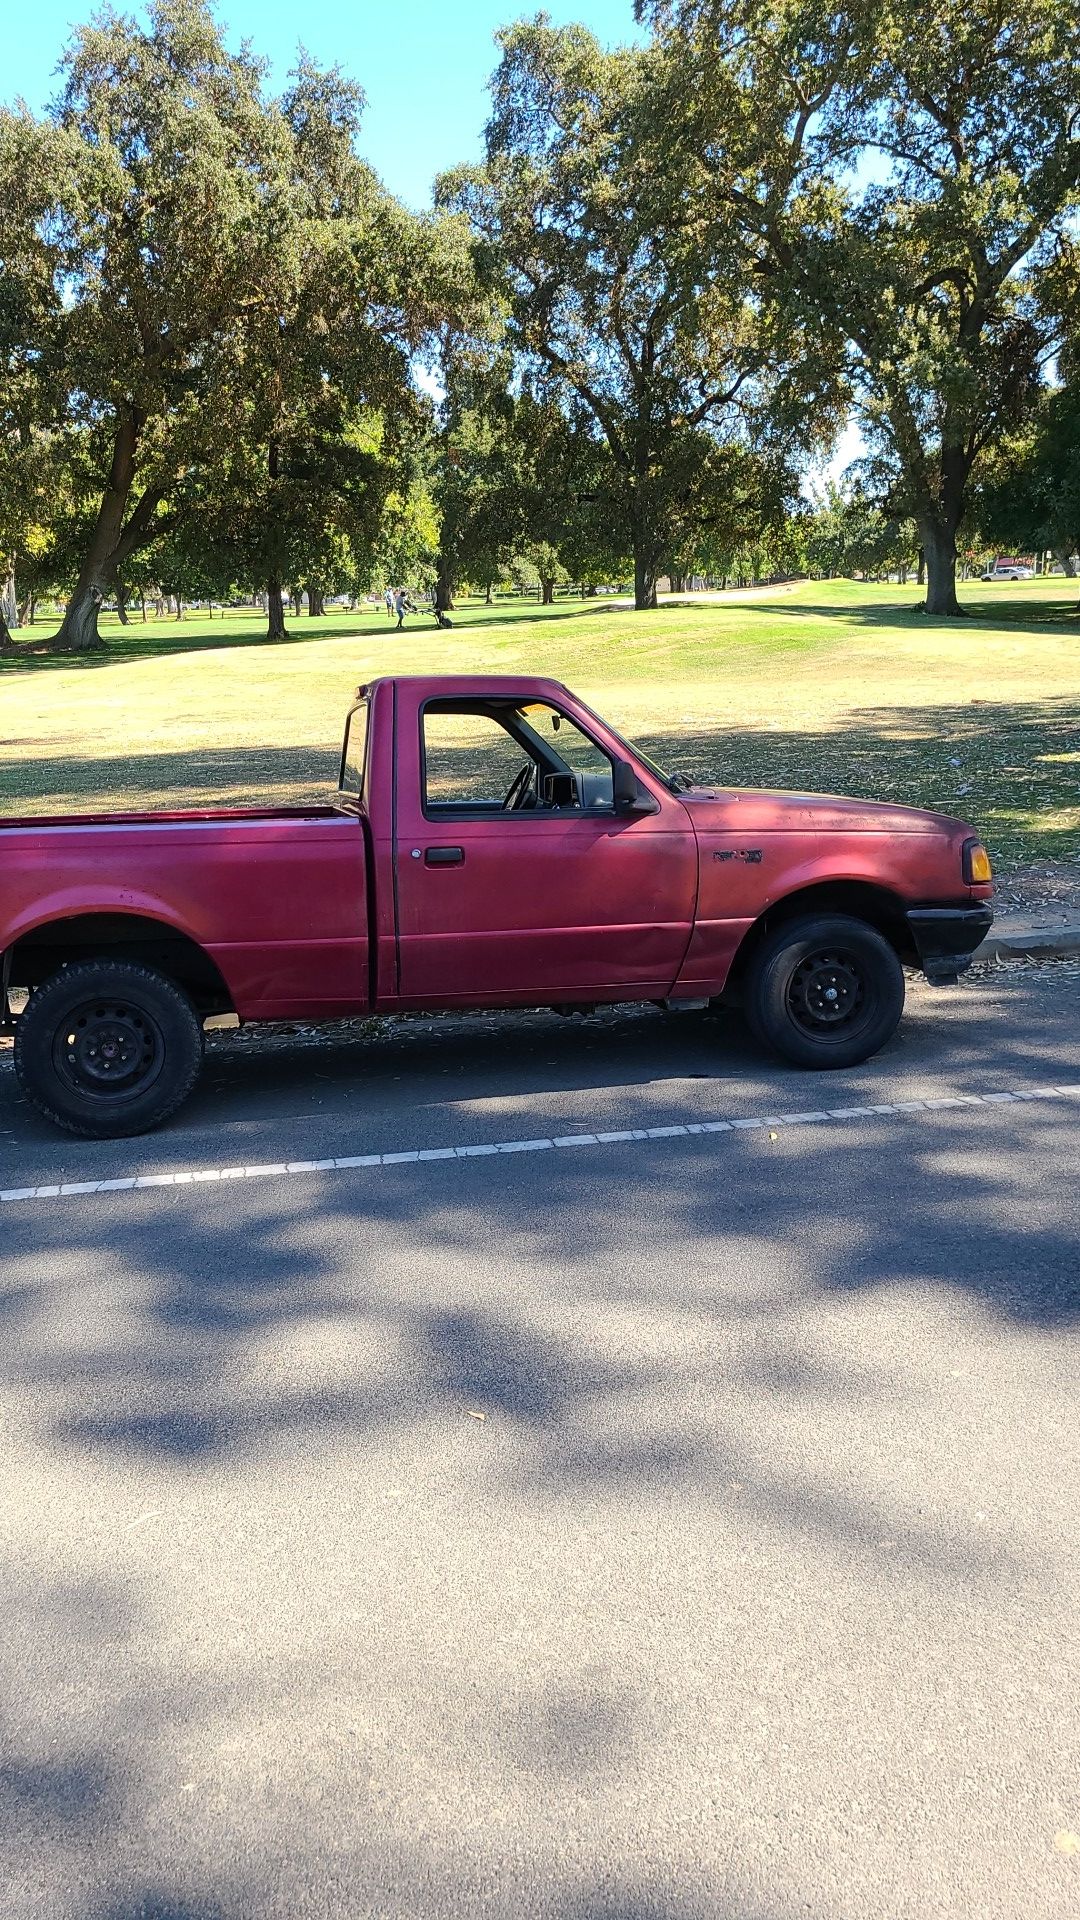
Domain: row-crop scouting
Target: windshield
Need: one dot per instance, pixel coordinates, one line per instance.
(675, 782)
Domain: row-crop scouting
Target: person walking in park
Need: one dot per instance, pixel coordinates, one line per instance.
(402, 606)
(388, 597)
(441, 619)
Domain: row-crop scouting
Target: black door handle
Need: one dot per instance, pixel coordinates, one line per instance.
(444, 857)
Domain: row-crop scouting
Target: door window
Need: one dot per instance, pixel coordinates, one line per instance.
(515, 757)
(470, 760)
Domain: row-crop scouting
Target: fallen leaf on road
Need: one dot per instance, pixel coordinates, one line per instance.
(476, 1416)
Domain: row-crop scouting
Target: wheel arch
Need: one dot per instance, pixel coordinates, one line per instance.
(878, 906)
(34, 956)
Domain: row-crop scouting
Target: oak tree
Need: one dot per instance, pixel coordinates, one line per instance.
(617, 299)
(902, 180)
(199, 255)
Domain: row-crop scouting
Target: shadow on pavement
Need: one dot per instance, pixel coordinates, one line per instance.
(630, 1337)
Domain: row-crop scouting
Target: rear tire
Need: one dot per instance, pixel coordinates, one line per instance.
(825, 992)
(107, 1048)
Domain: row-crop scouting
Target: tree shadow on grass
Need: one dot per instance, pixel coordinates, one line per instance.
(1013, 767)
(1016, 612)
(159, 781)
(171, 639)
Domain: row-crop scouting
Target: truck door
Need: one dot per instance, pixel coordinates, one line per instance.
(517, 880)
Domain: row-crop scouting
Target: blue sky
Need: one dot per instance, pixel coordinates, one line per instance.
(424, 64)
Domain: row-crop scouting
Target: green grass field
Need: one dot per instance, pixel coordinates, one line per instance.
(829, 685)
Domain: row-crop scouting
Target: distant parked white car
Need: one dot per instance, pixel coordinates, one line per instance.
(1018, 572)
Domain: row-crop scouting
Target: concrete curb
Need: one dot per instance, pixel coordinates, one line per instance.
(1029, 943)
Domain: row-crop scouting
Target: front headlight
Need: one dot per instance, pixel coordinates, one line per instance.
(977, 870)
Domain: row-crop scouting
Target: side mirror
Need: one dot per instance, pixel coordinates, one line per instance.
(628, 793)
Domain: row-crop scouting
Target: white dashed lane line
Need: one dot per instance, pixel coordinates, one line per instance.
(625, 1136)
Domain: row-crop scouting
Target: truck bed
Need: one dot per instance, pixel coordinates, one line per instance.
(275, 897)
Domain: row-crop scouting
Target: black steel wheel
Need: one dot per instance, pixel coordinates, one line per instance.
(107, 1048)
(825, 991)
(112, 1049)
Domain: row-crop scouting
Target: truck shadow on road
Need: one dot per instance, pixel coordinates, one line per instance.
(374, 1072)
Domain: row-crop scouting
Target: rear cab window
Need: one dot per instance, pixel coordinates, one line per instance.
(352, 776)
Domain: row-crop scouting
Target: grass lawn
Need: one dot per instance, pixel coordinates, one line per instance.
(828, 685)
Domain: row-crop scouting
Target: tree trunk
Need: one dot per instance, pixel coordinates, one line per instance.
(547, 590)
(645, 572)
(275, 612)
(111, 542)
(315, 605)
(1066, 561)
(920, 573)
(678, 583)
(9, 612)
(142, 604)
(939, 548)
(78, 631)
(444, 587)
(121, 602)
(487, 595)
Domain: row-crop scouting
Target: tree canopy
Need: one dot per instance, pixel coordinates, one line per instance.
(903, 182)
(632, 316)
(679, 268)
(1030, 499)
(191, 258)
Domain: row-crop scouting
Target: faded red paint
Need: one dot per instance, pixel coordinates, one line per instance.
(319, 912)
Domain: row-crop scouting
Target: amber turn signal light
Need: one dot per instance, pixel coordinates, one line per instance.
(976, 864)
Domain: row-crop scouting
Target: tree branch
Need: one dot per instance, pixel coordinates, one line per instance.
(137, 525)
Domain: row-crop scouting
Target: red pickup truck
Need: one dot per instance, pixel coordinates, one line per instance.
(491, 843)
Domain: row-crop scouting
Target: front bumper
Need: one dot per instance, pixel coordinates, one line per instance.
(946, 937)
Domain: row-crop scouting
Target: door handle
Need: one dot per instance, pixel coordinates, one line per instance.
(444, 857)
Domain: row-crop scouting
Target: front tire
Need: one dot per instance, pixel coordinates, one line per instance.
(107, 1048)
(826, 991)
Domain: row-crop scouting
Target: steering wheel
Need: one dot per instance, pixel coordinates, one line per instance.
(519, 787)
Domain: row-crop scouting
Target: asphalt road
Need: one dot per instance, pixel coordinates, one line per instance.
(680, 1524)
